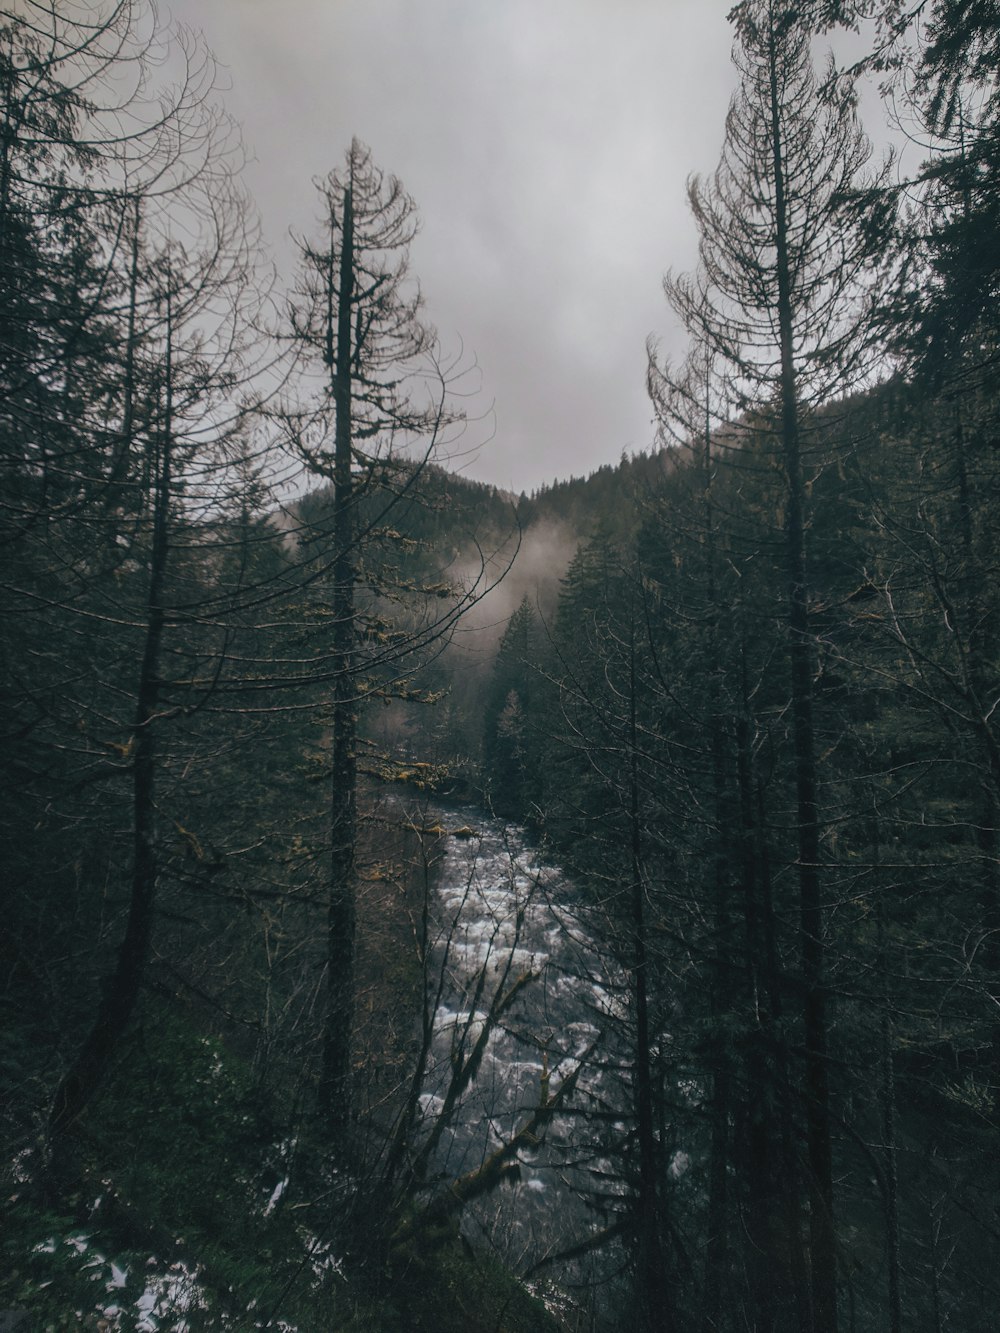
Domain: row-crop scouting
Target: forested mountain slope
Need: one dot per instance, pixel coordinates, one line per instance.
(740, 690)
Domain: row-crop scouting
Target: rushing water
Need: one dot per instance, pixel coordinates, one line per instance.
(505, 921)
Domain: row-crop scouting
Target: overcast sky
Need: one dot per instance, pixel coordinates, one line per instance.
(546, 143)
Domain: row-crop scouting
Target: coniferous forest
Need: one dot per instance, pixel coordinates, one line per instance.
(720, 721)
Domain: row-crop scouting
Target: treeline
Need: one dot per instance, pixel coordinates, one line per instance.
(761, 727)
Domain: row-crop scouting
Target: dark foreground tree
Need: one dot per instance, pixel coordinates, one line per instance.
(784, 298)
(117, 347)
(377, 412)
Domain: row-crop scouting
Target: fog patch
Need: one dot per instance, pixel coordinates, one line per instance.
(536, 567)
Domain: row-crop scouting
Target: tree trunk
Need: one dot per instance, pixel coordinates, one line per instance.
(335, 1084)
(716, 1280)
(654, 1298)
(778, 1281)
(821, 1225)
(888, 1099)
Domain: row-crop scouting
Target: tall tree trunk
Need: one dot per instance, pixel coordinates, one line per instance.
(335, 1084)
(717, 1277)
(657, 1312)
(765, 1272)
(117, 482)
(821, 1224)
(778, 1271)
(716, 1280)
(888, 1099)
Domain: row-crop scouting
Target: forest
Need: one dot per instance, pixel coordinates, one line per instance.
(428, 908)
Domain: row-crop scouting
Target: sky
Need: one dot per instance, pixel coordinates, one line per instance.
(547, 144)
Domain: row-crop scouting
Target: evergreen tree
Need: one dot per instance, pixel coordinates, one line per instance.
(784, 298)
(512, 775)
(117, 359)
(357, 327)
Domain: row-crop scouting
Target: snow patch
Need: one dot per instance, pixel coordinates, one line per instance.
(167, 1296)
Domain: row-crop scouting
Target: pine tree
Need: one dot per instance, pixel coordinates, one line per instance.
(784, 298)
(377, 413)
(511, 744)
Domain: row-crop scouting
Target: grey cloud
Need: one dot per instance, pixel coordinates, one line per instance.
(546, 143)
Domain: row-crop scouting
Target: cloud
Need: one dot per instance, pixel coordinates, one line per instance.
(546, 143)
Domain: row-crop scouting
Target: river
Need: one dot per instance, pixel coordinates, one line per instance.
(507, 922)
